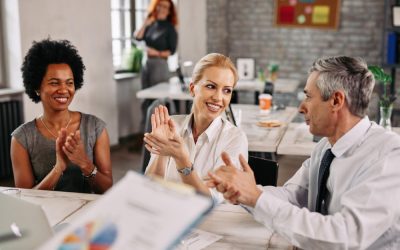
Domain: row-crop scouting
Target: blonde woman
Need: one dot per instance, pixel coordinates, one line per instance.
(186, 147)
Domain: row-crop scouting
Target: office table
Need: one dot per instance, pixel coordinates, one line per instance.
(237, 227)
(240, 230)
(261, 139)
(58, 206)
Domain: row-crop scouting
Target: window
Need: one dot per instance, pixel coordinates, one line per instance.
(126, 17)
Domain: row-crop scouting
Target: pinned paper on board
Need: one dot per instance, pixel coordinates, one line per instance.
(322, 14)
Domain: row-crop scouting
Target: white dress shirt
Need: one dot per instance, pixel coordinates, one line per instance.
(364, 187)
(205, 155)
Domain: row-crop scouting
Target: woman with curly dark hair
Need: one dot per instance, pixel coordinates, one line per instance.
(60, 150)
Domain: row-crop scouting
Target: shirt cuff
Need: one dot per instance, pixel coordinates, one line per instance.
(216, 196)
(266, 208)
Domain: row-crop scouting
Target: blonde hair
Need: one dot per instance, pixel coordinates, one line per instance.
(213, 60)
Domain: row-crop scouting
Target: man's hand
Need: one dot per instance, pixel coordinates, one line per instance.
(236, 186)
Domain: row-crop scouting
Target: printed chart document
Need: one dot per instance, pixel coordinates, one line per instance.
(137, 213)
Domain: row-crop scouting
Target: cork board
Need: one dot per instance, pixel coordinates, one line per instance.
(322, 14)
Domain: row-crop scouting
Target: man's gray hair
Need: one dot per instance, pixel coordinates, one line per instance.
(348, 74)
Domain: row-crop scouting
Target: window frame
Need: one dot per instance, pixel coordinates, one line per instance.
(2, 58)
(123, 39)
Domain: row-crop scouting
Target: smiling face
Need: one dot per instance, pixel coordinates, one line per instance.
(317, 113)
(212, 93)
(57, 88)
(162, 9)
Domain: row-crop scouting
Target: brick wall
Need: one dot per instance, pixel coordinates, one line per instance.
(217, 26)
(244, 28)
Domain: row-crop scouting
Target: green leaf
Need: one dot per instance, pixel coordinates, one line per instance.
(380, 74)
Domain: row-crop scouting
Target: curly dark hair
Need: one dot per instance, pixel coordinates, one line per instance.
(46, 52)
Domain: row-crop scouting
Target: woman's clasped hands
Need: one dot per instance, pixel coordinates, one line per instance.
(71, 148)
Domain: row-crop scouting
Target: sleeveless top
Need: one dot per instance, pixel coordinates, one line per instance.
(42, 152)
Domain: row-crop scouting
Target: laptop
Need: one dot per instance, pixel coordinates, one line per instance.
(23, 225)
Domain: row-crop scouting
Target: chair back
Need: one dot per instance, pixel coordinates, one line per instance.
(229, 115)
(265, 171)
(147, 128)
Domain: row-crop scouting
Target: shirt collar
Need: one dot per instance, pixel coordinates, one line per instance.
(352, 137)
(210, 132)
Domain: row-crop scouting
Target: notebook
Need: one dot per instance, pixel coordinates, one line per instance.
(137, 213)
(23, 225)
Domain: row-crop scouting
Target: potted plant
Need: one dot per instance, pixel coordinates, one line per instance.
(386, 99)
(273, 69)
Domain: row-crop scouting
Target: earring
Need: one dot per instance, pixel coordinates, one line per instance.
(37, 93)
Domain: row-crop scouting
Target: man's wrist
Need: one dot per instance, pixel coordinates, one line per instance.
(255, 198)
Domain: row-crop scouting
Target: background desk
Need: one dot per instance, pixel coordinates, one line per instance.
(173, 91)
(298, 140)
(262, 139)
(163, 90)
(281, 85)
(239, 229)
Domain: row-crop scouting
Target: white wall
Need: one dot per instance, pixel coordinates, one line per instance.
(192, 29)
(12, 44)
(129, 111)
(87, 24)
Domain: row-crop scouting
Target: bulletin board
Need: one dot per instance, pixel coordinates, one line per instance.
(323, 14)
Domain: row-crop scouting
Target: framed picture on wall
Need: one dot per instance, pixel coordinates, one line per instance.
(245, 67)
(396, 16)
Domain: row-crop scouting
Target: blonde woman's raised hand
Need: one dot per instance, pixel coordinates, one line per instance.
(164, 139)
(160, 127)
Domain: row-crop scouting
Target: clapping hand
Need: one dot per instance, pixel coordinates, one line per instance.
(75, 151)
(163, 139)
(236, 186)
(61, 158)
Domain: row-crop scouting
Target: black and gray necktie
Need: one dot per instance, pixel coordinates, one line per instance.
(321, 204)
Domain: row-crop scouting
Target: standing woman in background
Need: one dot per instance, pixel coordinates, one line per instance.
(161, 38)
(61, 150)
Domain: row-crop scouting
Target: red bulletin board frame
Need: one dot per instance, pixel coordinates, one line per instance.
(320, 14)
